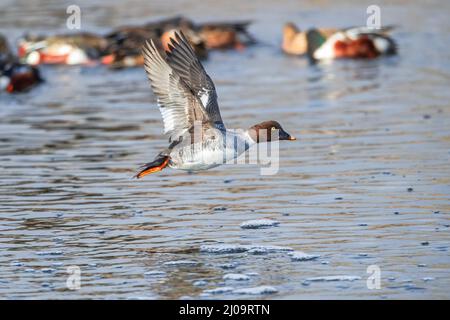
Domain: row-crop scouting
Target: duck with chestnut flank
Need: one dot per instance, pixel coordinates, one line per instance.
(15, 76)
(294, 40)
(352, 43)
(187, 100)
(70, 49)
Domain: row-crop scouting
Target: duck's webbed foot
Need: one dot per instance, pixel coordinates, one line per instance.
(156, 165)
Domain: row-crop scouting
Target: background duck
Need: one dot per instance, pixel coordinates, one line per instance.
(71, 49)
(352, 43)
(15, 76)
(294, 41)
(124, 46)
(226, 35)
(214, 35)
(125, 43)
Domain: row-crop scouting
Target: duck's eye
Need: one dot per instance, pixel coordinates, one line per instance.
(273, 128)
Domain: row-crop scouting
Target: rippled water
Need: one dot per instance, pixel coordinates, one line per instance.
(368, 131)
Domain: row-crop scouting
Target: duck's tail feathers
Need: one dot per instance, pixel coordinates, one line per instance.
(160, 162)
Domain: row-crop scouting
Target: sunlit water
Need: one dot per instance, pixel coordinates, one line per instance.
(368, 131)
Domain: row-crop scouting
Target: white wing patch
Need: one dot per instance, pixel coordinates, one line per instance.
(326, 50)
(204, 97)
(381, 44)
(168, 119)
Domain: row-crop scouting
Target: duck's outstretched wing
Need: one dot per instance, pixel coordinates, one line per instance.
(186, 64)
(179, 107)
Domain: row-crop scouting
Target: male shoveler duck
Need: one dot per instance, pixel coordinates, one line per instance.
(71, 49)
(187, 101)
(354, 43)
(294, 40)
(15, 76)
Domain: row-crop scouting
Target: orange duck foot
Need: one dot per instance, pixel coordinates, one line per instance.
(157, 165)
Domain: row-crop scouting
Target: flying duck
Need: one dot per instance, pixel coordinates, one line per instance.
(187, 100)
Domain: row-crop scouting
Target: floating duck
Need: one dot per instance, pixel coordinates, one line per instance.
(353, 43)
(15, 76)
(125, 43)
(294, 40)
(187, 101)
(70, 49)
(216, 35)
(225, 35)
(125, 46)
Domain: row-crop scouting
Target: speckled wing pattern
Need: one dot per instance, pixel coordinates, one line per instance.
(178, 106)
(186, 64)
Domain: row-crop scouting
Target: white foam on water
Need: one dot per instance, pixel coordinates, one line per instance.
(237, 248)
(334, 278)
(302, 256)
(200, 283)
(236, 277)
(259, 224)
(181, 263)
(223, 248)
(256, 290)
(271, 249)
(219, 290)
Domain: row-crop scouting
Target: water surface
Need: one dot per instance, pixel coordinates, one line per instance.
(367, 182)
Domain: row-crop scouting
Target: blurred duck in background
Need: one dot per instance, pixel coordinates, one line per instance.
(332, 43)
(122, 47)
(125, 43)
(294, 41)
(225, 35)
(70, 49)
(15, 76)
(352, 43)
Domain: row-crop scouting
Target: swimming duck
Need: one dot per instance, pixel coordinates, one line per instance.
(125, 43)
(355, 43)
(71, 49)
(18, 77)
(225, 35)
(294, 41)
(215, 35)
(187, 100)
(124, 46)
(15, 76)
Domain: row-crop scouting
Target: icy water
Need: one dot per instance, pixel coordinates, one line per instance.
(366, 183)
